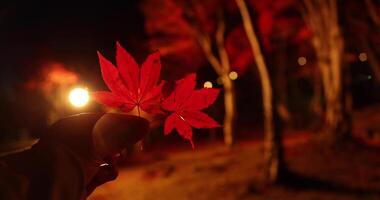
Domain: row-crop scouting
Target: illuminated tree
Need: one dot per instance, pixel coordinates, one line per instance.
(321, 17)
(271, 147)
(186, 30)
(278, 28)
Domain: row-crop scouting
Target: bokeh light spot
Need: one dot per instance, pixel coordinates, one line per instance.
(302, 61)
(362, 57)
(79, 97)
(207, 84)
(233, 75)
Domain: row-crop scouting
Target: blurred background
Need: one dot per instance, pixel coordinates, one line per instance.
(300, 79)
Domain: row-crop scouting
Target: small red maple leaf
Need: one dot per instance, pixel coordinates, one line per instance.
(186, 104)
(131, 86)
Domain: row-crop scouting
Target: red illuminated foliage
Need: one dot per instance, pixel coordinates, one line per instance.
(279, 19)
(185, 105)
(134, 87)
(173, 24)
(131, 86)
(239, 50)
(173, 35)
(278, 22)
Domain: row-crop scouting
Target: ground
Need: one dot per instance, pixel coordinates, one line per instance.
(348, 171)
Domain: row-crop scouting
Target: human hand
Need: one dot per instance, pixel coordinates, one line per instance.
(76, 154)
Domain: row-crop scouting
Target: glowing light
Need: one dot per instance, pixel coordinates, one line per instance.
(233, 75)
(369, 77)
(362, 57)
(302, 61)
(207, 84)
(79, 97)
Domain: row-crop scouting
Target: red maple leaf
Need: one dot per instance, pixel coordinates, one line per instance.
(186, 104)
(131, 86)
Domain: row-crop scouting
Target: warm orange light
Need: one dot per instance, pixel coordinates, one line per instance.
(79, 97)
(233, 75)
(363, 57)
(207, 84)
(302, 61)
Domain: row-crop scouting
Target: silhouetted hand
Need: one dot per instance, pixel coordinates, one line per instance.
(73, 157)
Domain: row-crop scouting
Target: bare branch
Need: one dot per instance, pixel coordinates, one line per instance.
(205, 43)
(220, 44)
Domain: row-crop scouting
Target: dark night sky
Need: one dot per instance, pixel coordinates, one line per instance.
(68, 33)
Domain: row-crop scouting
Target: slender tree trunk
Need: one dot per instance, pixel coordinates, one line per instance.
(229, 90)
(229, 107)
(334, 118)
(322, 18)
(278, 71)
(271, 140)
(222, 68)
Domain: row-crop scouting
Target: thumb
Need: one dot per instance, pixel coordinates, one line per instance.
(114, 132)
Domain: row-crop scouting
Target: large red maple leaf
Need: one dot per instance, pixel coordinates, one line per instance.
(186, 104)
(131, 86)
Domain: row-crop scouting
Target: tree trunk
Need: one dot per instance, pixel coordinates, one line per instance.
(228, 84)
(229, 107)
(333, 100)
(333, 87)
(271, 140)
(222, 68)
(322, 18)
(279, 74)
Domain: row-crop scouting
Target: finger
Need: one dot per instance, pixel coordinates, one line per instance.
(75, 132)
(106, 172)
(114, 132)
